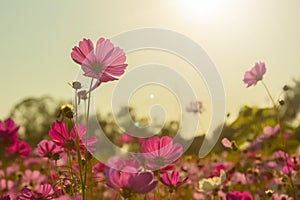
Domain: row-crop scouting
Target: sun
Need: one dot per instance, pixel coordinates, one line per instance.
(202, 8)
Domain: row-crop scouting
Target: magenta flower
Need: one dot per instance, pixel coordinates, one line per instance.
(172, 180)
(236, 195)
(125, 138)
(217, 171)
(44, 192)
(60, 136)
(98, 167)
(6, 197)
(160, 152)
(19, 149)
(254, 75)
(195, 107)
(8, 132)
(130, 181)
(104, 63)
(49, 149)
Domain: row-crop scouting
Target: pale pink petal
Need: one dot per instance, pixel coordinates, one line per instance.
(103, 49)
(226, 143)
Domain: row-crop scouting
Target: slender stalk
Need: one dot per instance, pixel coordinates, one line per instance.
(69, 160)
(84, 195)
(77, 140)
(269, 94)
(276, 109)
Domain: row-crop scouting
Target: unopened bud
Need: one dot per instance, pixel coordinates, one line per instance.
(76, 85)
(285, 88)
(281, 102)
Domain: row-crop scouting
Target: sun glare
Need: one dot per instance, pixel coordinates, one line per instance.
(202, 8)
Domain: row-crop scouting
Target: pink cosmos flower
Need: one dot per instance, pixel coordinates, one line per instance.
(277, 196)
(130, 182)
(160, 152)
(98, 167)
(217, 171)
(7, 185)
(44, 192)
(120, 163)
(8, 132)
(254, 75)
(239, 178)
(33, 178)
(236, 195)
(195, 107)
(19, 148)
(60, 136)
(268, 132)
(49, 149)
(6, 197)
(125, 138)
(104, 63)
(172, 180)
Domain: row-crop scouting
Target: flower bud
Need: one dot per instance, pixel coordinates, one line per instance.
(76, 85)
(285, 88)
(281, 102)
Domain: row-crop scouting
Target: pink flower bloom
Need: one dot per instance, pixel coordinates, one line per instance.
(98, 167)
(254, 75)
(277, 196)
(239, 178)
(195, 107)
(117, 162)
(104, 63)
(166, 169)
(6, 197)
(19, 148)
(7, 185)
(269, 131)
(286, 136)
(130, 182)
(44, 192)
(172, 179)
(160, 152)
(281, 155)
(49, 149)
(60, 136)
(33, 178)
(8, 132)
(125, 138)
(236, 195)
(217, 171)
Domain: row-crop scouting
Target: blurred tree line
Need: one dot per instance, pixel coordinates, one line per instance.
(35, 115)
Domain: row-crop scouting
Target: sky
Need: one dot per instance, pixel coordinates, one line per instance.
(37, 38)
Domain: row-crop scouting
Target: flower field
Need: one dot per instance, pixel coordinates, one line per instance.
(256, 157)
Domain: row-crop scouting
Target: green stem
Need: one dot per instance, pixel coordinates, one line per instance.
(86, 137)
(276, 109)
(69, 160)
(77, 139)
(269, 94)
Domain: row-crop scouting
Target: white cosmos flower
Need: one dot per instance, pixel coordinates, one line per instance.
(210, 184)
